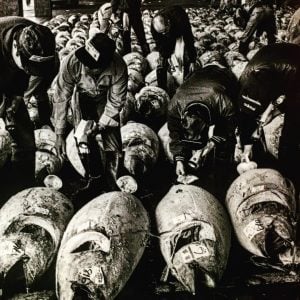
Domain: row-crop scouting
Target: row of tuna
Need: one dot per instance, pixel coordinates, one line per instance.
(100, 246)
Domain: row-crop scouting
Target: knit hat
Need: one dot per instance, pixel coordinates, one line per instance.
(36, 45)
(97, 52)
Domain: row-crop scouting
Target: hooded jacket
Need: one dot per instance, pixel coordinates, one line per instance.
(216, 89)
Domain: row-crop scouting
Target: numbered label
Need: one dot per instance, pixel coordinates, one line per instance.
(193, 252)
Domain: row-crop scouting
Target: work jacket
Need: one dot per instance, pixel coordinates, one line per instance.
(215, 88)
(110, 86)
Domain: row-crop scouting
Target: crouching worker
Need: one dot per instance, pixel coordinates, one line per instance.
(98, 78)
(270, 86)
(205, 100)
(27, 49)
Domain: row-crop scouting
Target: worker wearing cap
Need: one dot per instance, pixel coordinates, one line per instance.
(99, 78)
(26, 49)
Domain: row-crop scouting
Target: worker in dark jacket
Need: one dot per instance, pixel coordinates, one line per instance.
(204, 100)
(129, 11)
(261, 19)
(272, 78)
(26, 49)
(169, 25)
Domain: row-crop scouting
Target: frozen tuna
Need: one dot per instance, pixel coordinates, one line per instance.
(135, 60)
(31, 226)
(141, 147)
(46, 155)
(151, 103)
(101, 247)
(194, 236)
(262, 207)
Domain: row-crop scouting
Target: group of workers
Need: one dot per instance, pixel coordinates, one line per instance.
(203, 114)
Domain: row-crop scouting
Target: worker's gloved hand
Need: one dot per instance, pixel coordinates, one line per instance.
(180, 169)
(60, 145)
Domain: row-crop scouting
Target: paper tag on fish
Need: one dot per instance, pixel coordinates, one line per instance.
(253, 228)
(93, 274)
(193, 252)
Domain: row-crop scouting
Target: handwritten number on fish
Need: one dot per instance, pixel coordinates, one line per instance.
(259, 225)
(93, 274)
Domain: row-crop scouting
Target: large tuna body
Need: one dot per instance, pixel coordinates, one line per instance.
(31, 226)
(101, 247)
(141, 147)
(152, 105)
(262, 207)
(194, 235)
